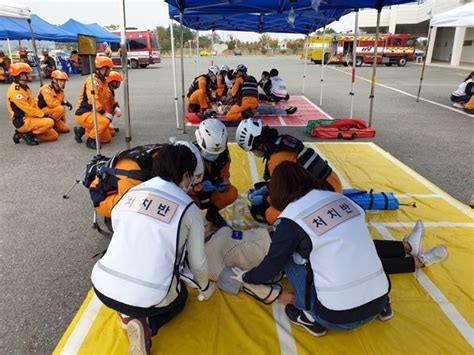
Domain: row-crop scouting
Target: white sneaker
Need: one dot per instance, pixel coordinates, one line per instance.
(458, 105)
(415, 238)
(435, 255)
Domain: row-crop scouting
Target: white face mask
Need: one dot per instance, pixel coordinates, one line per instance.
(190, 184)
(209, 156)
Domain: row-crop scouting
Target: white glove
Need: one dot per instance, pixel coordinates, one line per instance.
(117, 112)
(205, 294)
(109, 116)
(238, 274)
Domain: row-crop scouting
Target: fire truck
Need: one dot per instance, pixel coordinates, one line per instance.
(392, 49)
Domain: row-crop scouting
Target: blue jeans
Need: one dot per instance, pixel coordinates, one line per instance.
(297, 276)
(270, 110)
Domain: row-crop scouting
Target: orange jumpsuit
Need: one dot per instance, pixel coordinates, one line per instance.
(200, 97)
(124, 184)
(50, 102)
(235, 112)
(75, 60)
(271, 214)
(221, 85)
(26, 116)
(84, 115)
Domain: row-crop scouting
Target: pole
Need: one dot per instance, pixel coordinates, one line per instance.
(174, 75)
(182, 71)
(197, 53)
(305, 61)
(9, 50)
(94, 109)
(322, 68)
(35, 51)
(212, 47)
(126, 91)
(374, 67)
(424, 64)
(354, 56)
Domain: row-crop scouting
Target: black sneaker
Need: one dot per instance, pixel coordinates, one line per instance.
(297, 316)
(386, 313)
(29, 138)
(291, 110)
(215, 217)
(78, 133)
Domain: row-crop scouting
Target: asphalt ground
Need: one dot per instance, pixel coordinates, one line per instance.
(46, 243)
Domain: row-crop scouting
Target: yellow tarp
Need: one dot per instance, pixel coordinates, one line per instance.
(434, 309)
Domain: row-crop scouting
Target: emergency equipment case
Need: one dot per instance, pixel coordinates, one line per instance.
(345, 128)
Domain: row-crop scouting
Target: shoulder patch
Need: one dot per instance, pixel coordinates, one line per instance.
(17, 87)
(19, 96)
(48, 91)
(96, 83)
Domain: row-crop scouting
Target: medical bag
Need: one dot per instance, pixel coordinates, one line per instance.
(345, 128)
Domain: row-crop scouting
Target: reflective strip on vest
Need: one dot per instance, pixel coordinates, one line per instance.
(249, 87)
(140, 264)
(347, 271)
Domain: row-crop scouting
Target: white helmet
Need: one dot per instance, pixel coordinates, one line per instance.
(225, 68)
(214, 69)
(240, 69)
(211, 136)
(247, 131)
(199, 171)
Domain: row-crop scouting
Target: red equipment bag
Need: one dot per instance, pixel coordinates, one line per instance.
(345, 128)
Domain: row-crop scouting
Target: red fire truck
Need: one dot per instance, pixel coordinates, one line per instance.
(392, 49)
(143, 48)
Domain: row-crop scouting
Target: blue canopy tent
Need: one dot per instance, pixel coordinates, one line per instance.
(196, 8)
(101, 34)
(18, 29)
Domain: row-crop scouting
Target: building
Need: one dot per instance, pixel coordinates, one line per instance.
(454, 45)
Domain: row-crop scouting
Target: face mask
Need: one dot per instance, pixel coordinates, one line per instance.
(209, 156)
(258, 153)
(186, 188)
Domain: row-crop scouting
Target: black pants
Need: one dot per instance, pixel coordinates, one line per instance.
(157, 316)
(393, 257)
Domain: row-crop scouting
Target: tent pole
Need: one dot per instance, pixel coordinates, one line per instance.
(305, 62)
(374, 66)
(322, 68)
(126, 92)
(174, 75)
(35, 51)
(354, 56)
(424, 64)
(197, 53)
(182, 71)
(212, 48)
(9, 50)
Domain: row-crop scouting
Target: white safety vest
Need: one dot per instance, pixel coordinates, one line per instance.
(139, 265)
(347, 270)
(461, 90)
(278, 87)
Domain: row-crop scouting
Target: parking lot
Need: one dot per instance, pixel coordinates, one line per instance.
(47, 243)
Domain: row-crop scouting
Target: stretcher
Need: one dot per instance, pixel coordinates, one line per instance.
(434, 309)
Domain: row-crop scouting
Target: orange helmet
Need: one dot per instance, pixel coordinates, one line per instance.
(18, 68)
(101, 61)
(114, 76)
(58, 74)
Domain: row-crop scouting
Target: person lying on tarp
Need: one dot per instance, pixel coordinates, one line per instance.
(154, 224)
(200, 92)
(272, 87)
(220, 109)
(274, 148)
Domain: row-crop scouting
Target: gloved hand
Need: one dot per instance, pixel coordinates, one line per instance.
(207, 186)
(238, 274)
(109, 116)
(261, 191)
(222, 186)
(207, 293)
(67, 104)
(117, 112)
(256, 200)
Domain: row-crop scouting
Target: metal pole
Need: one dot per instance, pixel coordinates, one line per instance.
(354, 56)
(182, 71)
(212, 47)
(126, 91)
(174, 75)
(197, 53)
(374, 66)
(305, 61)
(424, 64)
(35, 50)
(94, 109)
(322, 68)
(9, 50)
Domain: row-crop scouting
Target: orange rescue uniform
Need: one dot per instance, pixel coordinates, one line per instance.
(248, 102)
(26, 116)
(199, 96)
(84, 115)
(272, 214)
(50, 102)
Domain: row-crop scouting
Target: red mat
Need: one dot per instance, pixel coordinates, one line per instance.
(307, 110)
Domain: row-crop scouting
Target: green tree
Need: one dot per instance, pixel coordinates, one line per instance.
(329, 31)
(231, 43)
(187, 34)
(274, 44)
(112, 27)
(295, 45)
(164, 38)
(264, 40)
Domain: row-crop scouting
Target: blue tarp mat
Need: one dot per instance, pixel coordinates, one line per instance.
(101, 34)
(19, 29)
